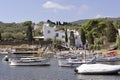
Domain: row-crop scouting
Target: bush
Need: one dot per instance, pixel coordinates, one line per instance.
(95, 47)
(91, 47)
(118, 42)
(98, 47)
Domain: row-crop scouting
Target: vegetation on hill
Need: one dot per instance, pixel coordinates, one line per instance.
(97, 32)
(80, 22)
(12, 32)
(100, 32)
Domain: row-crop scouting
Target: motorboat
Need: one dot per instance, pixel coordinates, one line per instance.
(4, 52)
(108, 59)
(67, 55)
(7, 58)
(97, 69)
(30, 61)
(75, 62)
(69, 64)
(76, 59)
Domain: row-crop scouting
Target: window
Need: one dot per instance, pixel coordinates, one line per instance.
(57, 35)
(76, 37)
(63, 36)
(48, 31)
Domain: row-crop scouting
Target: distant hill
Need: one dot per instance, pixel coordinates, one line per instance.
(80, 22)
(114, 19)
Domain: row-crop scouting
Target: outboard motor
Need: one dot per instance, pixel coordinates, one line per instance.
(76, 70)
(5, 58)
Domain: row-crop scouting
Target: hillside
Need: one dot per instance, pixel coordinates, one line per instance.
(80, 22)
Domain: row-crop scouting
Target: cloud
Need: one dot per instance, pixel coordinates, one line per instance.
(98, 16)
(55, 6)
(83, 8)
(101, 16)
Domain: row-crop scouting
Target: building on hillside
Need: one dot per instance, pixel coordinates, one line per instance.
(52, 32)
(36, 26)
(119, 32)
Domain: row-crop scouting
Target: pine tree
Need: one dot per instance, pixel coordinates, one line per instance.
(29, 31)
(0, 36)
(83, 37)
(29, 34)
(66, 36)
(72, 39)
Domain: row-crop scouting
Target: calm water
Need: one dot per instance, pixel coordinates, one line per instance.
(52, 72)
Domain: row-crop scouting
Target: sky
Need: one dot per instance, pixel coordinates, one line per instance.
(57, 10)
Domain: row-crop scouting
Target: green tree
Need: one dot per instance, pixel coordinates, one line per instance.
(72, 39)
(66, 36)
(83, 37)
(118, 42)
(90, 25)
(29, 34)
(101, 29)
(7, 36)
(29, 31)
(111, 32)
(117, 24)
(0, 37)
(19, 36)
(90, 38)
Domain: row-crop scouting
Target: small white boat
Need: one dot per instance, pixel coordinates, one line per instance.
(75, 62)
(69, 64)
(4, 52)
(97, 69)
(30, 61)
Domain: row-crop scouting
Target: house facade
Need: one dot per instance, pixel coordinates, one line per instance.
(51, 33)
(119, 32)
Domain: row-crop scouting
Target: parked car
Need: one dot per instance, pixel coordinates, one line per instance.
(60, 47)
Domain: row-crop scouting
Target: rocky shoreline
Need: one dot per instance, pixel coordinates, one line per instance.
(10, 47)
(33, 47)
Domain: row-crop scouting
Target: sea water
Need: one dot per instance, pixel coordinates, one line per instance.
(52, 72)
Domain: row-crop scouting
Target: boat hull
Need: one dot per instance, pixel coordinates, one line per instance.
(73, 62)
(69, 64)
(100, 73)
(95, 69)
(111, 59)
(30, 62)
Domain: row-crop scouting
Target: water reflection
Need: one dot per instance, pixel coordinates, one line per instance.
(98, 77)
(52, 72)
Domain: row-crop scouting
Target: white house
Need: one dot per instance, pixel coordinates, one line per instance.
(51, 32)
(48, 32)
(119, 31)
(36, 26)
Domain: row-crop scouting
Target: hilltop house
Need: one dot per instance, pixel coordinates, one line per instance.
(51, 33)
(119, 32)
